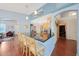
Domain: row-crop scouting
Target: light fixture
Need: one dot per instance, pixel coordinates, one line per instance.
(35, 12)
(74, 13)
(27, 17)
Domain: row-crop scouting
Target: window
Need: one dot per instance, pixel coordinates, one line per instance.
(2, 28)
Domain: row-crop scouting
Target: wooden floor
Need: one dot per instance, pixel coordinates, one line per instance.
(65, 47)
(9, 48)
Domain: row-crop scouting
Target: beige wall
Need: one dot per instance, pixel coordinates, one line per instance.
(71, 28)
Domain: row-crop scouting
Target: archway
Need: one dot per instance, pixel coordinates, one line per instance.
(66, 24)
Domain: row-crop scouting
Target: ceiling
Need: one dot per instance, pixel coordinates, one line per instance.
(68, 13)
(50, 8)
(24, 8)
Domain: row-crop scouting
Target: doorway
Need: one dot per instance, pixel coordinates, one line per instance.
(62, 31)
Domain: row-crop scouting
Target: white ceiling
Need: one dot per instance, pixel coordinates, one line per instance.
(25, 8)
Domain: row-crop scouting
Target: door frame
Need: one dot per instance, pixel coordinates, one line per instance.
(64, 30)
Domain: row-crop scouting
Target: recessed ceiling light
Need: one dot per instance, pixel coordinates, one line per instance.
(74, 13)
(27, 17)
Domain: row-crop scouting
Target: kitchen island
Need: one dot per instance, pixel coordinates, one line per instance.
(49, 45)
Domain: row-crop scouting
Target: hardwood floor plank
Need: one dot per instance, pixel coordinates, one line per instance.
(65, 47)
